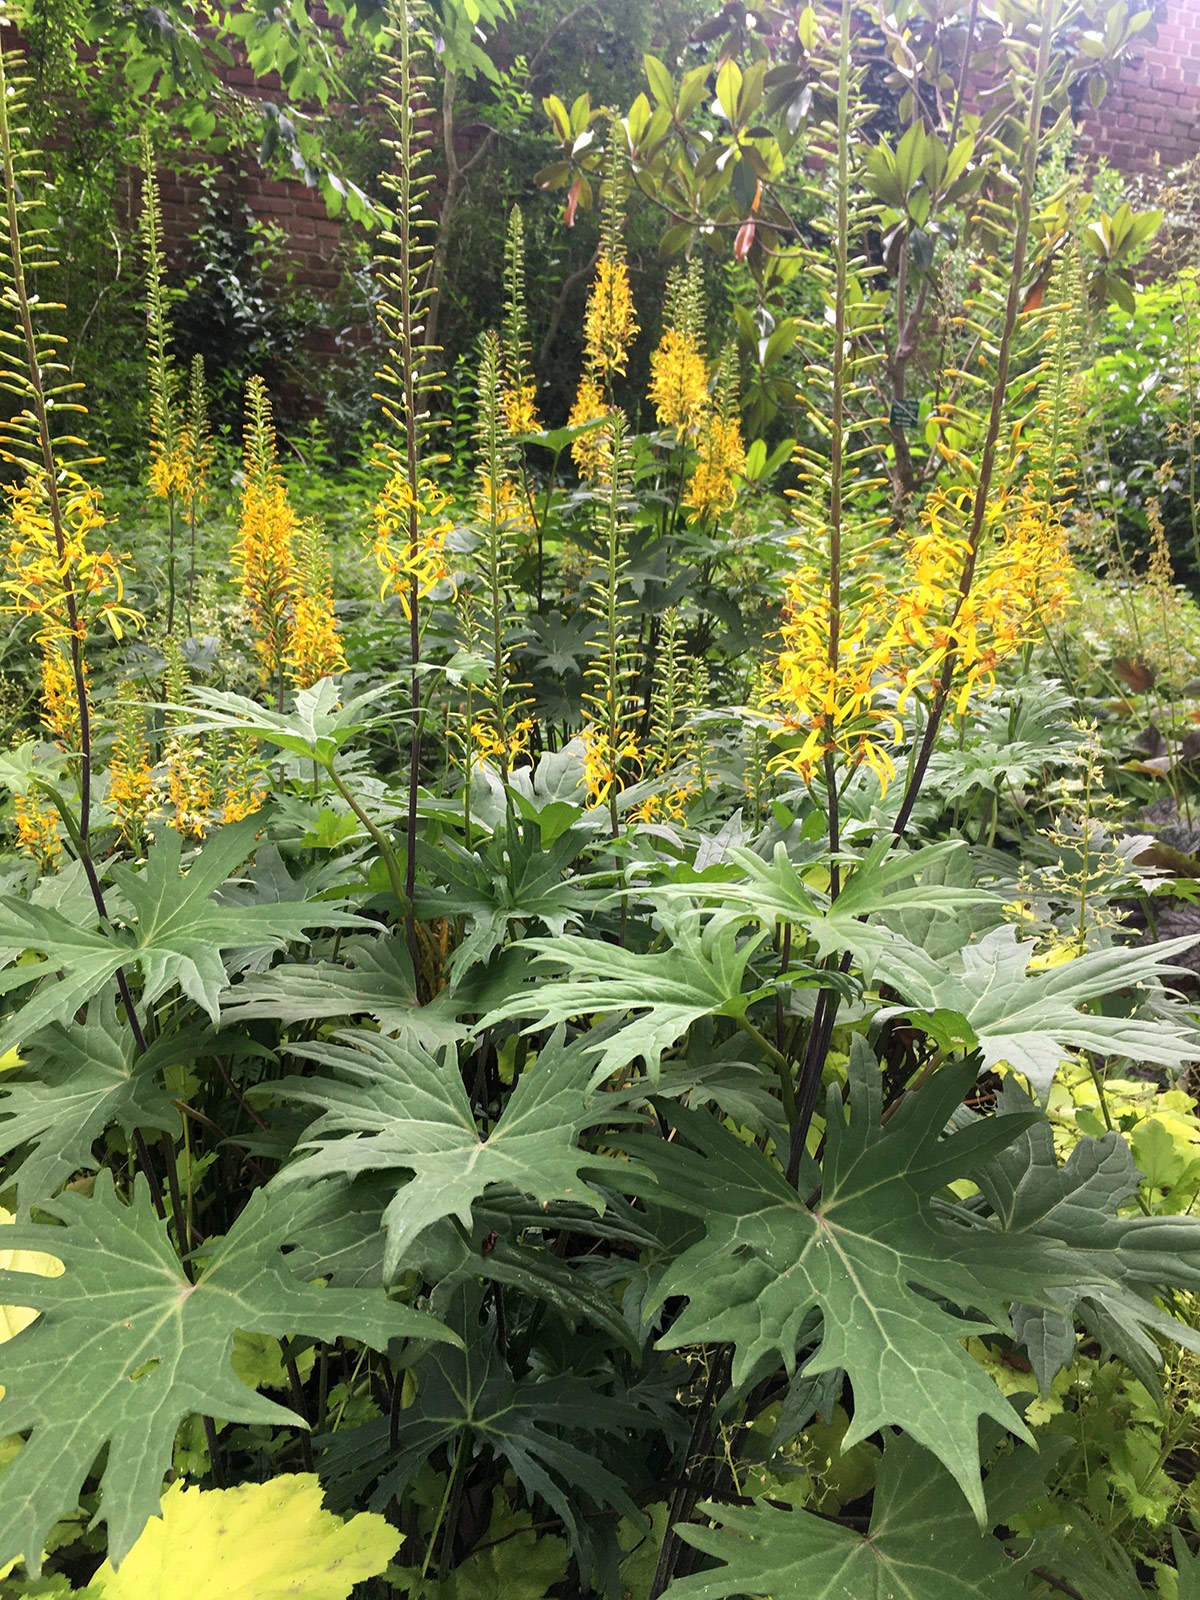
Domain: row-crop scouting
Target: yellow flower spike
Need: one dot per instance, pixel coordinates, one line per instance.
(679, 382)
(610, 325)
(407, 566)
(591, 452)
(37, 831)
(130, 779)
(314, 646)
(42, 581)
(604, 761)
(189, 786)
(246, 786)
(519, 406)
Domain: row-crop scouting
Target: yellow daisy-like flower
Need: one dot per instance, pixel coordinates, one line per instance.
(603, 760)
(610, 324)
(411, 567)
(679, 382)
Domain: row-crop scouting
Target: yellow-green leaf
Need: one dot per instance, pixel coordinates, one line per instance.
(261, 1541)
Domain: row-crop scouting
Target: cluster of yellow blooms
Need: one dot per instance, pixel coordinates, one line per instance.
(181, 468)
(410, 538)
(37, 831)
(672, 804)
(712, 487)
(679, 391)
(604, 759)
(130, 774)
(519, 404)
(679, 382)
(314, 645)
(282, 565)
(489, 746)
(46, 577)
(905, 636)
(610, 324)
(245, 780)
(592, 451)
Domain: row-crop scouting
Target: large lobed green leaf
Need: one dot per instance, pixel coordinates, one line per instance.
(702, 974)
(126, 1347)
(175, 933)
(74, 1084)
(922, 1544)
(1035, 1020)
(900, 1273)
(393, 1106)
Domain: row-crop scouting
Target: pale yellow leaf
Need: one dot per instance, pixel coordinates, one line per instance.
(261, 1541)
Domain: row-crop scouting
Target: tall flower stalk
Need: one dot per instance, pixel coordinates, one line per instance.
(168, 445)
(199, 448)
(406, 379)
(612, 705)
(264, 554)
(61, 555)
(498, 731)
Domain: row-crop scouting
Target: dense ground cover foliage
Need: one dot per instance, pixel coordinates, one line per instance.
(602, 1003)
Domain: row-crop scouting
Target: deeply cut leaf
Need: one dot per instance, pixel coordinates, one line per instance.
(395, 1106)
(921, 1545)
(900, 1274)
(701, 975)
(74, 1084)
(126, 1348)
(1034, 1020)
(176, 933)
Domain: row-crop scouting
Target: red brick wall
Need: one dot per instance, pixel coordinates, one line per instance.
(1152, 114)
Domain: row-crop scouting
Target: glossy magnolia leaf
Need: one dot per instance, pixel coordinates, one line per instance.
(395, 1106)
(260, 1541)
(375, 981)
(126, 1348)
(75, 1083)
(922, 1544)
(175, 933)
(1034, 1020)
(702, 974)
(874, 1256)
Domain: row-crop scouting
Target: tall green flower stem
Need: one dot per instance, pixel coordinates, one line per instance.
(825, 1014)
(166, 423)
(29, 442)
(821, 1031)
(407, 376)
